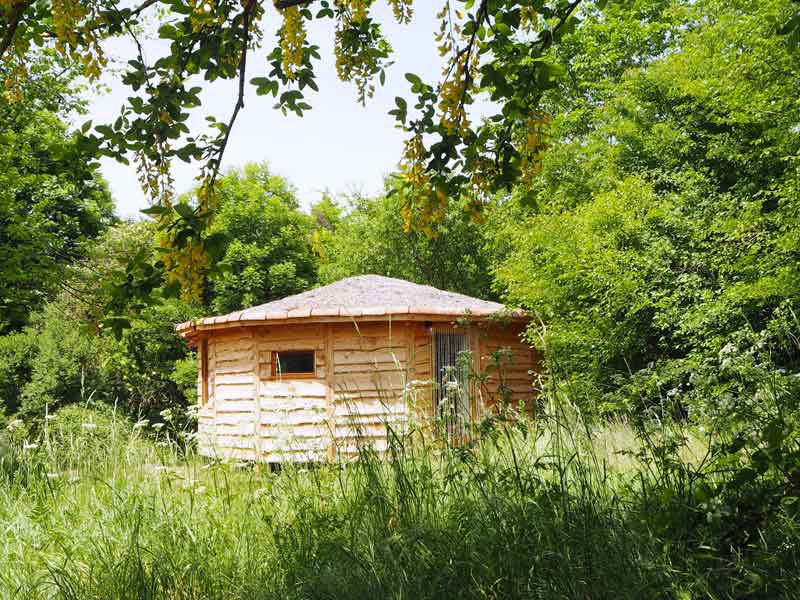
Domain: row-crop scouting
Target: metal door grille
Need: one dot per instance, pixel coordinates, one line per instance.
(451, 394)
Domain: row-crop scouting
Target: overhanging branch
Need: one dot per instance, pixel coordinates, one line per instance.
(248, 10)
(281, 4)
(13, 24)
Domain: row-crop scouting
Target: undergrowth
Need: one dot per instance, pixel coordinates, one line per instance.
(553, 508)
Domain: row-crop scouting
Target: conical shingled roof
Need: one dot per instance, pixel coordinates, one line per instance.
(361, 296)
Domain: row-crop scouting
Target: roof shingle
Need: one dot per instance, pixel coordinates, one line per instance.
(372, 295)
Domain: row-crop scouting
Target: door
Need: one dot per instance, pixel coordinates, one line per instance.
(451, 366)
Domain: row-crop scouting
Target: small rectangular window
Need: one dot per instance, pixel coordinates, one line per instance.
(293, 362)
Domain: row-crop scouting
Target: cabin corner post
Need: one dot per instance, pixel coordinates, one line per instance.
(410, 399)
(330, 396)
(257, 393)
(202, 373)
(212, 383)
(476, 403)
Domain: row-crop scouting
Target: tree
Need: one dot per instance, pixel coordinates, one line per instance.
(498, 48)
(60, 356)
(372, 238)
(268, 253)
(492, 47)
(52, 199)
(660, 238)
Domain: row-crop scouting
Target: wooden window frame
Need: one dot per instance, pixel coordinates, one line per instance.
(204, 372)
(283, 375)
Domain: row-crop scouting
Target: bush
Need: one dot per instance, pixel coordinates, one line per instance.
(17, 352)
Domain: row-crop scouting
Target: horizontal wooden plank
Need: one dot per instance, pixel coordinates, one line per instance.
(388, 355)
(243, 367)
(229, 441)
(383, 395)
(239, 356)
(365, 431)
(298, 432)
(268, 346)
(294, 417)
(225, 418)
(346, 446)
(211, 451)
(229, 427)
(237, 343)
(293, 389)
(281, 405)
(223, 392)
(295, 457)
(366, 407)
(368, 369)
(220, 445)
(240, 338)
(233, 379)
(236, 406)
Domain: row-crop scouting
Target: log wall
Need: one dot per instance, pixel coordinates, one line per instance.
(370, 382)
(367, 375)
(509, 362)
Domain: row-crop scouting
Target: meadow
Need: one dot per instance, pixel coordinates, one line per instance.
(100, 507)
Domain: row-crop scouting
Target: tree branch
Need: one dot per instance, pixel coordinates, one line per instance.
(13, 23)
(248, 10)
(281, 4)
(143, 6)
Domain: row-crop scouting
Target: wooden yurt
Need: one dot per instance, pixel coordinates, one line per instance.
(312, 376)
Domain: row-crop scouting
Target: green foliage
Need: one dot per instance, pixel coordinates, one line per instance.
(558, 507)
(52, 199)
(17, 351)
(659, 250)
(663, 226)
(371, 238)
(63, 362)
(62, 357)
(268, 254)
(145, 360)
(184, 375)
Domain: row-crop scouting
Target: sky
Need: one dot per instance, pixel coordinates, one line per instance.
(339, 146)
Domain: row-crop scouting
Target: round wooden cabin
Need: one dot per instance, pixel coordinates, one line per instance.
(312, 376)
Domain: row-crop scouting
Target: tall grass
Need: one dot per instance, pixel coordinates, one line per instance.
(552, 508)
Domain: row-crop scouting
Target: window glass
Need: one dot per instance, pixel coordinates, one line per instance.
(294, 362)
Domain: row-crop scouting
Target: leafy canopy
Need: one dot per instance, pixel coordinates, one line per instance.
(268, 251)
(661, 234)
(371, 238)
(493, 46)
(52, 198)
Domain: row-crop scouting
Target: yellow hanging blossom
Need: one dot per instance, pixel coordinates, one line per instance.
(188, 265)
(459, 73)
(357, 9)
(452, 96)
(292, 40)
(402, 10)
(528, 19)
(76, 24)
(423, 204)
(12, 85)
(533, 146)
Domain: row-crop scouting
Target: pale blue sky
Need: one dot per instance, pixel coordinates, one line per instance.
(339, 145)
